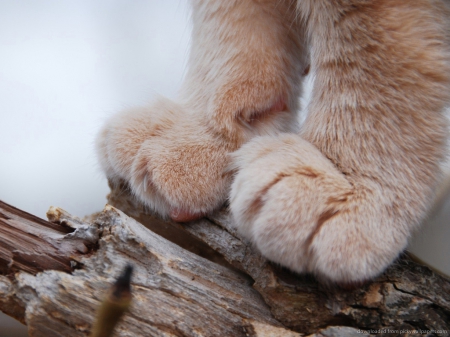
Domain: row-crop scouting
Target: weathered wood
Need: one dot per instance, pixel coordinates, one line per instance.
(176, 293)
(408, 296)
(180, 293)
(30, 244)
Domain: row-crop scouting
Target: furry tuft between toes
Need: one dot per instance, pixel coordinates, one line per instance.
(339, 196)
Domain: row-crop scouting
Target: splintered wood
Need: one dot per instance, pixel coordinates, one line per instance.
(55, 274)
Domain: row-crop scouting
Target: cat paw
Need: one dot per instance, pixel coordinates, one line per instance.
(170, 162)
(181, 174)
(301, 212)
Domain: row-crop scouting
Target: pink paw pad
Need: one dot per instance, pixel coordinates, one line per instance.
(182, 215)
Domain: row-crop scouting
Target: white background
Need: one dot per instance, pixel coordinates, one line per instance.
(64, 67)
(67, 65)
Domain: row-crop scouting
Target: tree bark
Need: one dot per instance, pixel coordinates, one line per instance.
(206, 282)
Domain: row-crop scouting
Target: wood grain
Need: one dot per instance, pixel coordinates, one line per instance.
(54, 275)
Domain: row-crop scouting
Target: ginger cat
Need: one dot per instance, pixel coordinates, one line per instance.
(338, 197)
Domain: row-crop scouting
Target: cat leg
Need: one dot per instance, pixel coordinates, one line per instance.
(303, 213)
(341, 199)
(243, 80)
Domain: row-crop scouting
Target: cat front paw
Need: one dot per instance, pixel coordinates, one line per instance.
(301, 212)
(124, 133)
(181, 174)
(170, 162)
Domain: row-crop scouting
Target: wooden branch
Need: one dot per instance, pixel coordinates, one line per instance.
(210, 283)
(408, 296)
(176, 293)
(22, 236)
(30, 244)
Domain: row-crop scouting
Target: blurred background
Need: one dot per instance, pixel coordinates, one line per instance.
(65, 66)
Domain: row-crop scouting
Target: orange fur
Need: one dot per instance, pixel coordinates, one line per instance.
(338, 197)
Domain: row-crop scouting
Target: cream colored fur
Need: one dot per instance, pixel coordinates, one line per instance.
(339, 197)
